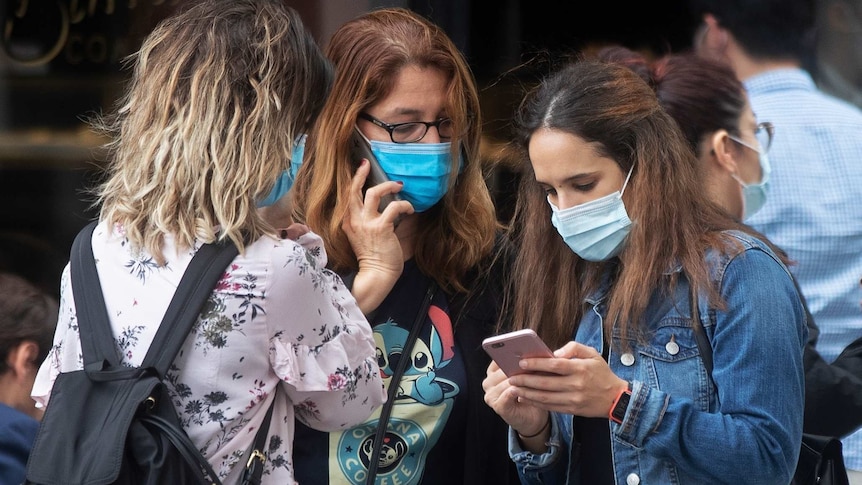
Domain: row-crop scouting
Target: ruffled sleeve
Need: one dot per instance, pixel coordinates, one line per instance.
(65, 352)
(322, 347)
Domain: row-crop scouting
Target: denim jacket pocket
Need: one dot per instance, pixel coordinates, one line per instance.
(671, 361)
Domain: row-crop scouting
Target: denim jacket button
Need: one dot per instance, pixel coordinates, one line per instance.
(627, 359)
(633, 479)
(672, 348)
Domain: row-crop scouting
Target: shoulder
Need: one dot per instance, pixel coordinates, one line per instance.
(746, 266)
(784, 93)
(746, 250)
(16, 426)
(300, 249)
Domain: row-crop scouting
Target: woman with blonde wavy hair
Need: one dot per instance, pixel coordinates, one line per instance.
(218, 93)
(404, 92)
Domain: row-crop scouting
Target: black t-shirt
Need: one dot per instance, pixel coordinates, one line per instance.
(593, 438)
(424, 442)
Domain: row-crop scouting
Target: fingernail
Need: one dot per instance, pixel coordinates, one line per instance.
(399, 182)
(283, 233)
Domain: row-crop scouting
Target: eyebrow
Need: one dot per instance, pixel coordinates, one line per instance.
(572, 178)
(410, 112)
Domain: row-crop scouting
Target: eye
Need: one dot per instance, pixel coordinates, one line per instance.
(408, 132)
(584, 187)
(547, 189)
(445, 128)
(421, 361)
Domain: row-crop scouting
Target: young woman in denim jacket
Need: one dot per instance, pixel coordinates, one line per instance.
(612, 230)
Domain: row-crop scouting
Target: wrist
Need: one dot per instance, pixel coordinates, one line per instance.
(370, 287)
(539, 432)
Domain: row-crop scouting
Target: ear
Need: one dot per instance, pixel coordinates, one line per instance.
(716, 36)
(723, 153)
(22, 359)
(837, 15)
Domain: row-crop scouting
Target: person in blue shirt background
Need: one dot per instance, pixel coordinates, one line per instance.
(816, 156)
(28, 317)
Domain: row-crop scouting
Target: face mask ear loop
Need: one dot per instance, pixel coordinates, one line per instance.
(627, 181)
(356, 127)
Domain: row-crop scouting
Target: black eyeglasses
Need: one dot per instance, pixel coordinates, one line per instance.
(763, 133)
(412, 131)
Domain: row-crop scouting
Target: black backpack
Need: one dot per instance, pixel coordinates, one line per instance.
(114, 424)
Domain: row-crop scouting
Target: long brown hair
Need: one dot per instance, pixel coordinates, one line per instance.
(368, 52)
(673, 222)
(218, 93)
(702, 95)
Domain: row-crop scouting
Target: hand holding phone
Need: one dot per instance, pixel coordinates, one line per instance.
(509, 348)
(359, 149)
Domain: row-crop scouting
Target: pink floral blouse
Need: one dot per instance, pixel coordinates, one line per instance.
(276, 317)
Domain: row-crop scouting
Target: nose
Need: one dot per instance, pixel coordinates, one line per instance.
(564, 200)
(431, 136)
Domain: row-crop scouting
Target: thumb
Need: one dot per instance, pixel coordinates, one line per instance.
(574, 350)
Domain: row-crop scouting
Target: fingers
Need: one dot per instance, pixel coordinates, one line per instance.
(493, 377)
(381, 197)
(574, 350)
(360, 176)
(368, 203)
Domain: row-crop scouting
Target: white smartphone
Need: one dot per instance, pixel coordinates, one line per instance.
(509, 348)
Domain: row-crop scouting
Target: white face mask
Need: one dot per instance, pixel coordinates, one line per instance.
(754, 195)
(595, 230)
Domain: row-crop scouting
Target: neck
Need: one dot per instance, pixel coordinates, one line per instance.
(745, 66)
(14, 396)
(406, 232)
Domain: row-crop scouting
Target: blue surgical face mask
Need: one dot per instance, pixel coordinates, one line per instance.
(285, 181)
(595, 230)
(754, 195)
(423, 167)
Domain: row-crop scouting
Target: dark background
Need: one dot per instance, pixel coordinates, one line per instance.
(48, 157)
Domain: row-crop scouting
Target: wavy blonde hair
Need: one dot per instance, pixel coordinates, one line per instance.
(367, 53)
(218, 93)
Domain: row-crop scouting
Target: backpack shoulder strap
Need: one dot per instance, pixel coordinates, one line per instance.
(97, 346)
(197, 283)
(703, 345)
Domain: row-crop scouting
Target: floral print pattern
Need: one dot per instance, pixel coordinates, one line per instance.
(277, 327)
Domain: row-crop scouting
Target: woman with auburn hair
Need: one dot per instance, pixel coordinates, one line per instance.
(218, 92)
(619, 255)
(404, 92)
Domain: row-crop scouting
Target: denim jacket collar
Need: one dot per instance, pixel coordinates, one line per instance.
(601, 293)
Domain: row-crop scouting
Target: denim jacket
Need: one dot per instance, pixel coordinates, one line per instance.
(680, 428)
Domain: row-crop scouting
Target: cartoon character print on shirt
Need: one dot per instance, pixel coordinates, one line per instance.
(421, 407)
